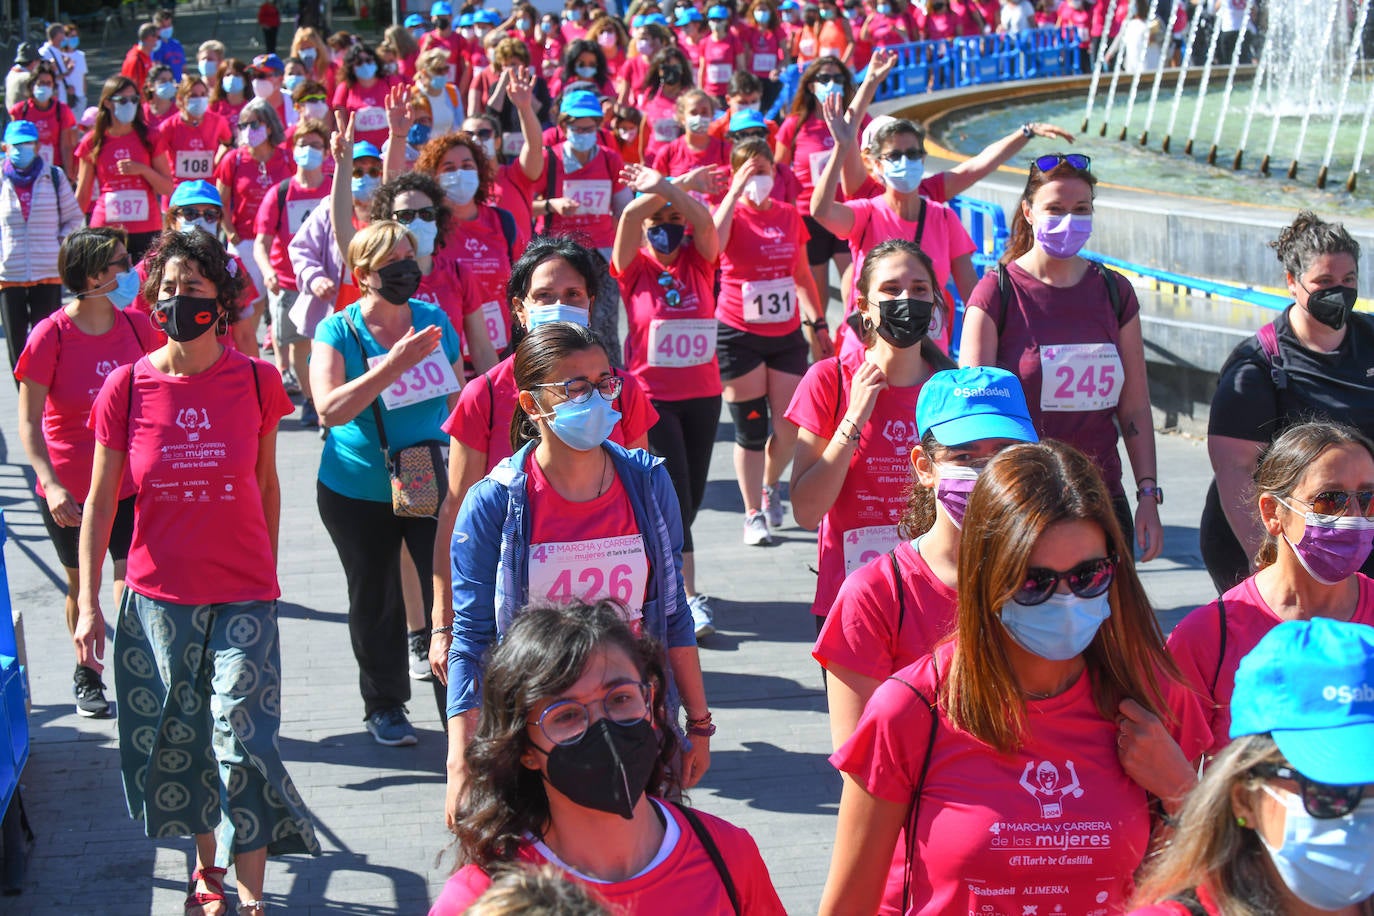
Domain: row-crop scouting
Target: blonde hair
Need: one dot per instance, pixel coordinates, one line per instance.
(509, 51)
(435, 60)
(373, 243)
(688, 98)
(522, 890)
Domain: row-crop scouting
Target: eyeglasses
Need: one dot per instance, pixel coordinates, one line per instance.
(579, 390)
(897, 155)
(1086, 580)
(670, 293)
(1320, 799)
(1335, 502)
(374, 172)
(566, 721)
(825, 79)
(209, 214)
(124, 263)
(485, 133)
(408, 216)
(442, 23)
(1073, 160)
(742, 135)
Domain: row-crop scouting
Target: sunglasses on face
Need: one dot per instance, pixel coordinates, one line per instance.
(739, 136)
(1321, 800)
(124, 99)
(311, 98)
(579, 390)
(825, 79)
(1086, 580)
(1335, 502)
(1073, 160)
(897, 155)
(374, 172)
(408, 216)
(209, 214)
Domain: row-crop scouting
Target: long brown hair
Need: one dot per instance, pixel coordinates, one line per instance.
(804, 104)
(536, 360)
(1022, 238)
(104, 116)
(1025, 490)
(543, 654)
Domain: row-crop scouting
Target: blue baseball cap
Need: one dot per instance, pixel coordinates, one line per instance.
(21, 132)
(581, 104)
(265, 62)
(490, 17)
(196, 192)
(465, 20)
(1310, 684)
(654, 19)
(966, 405)
(440, 9)
(415, 21)
(746, 119)
(690, 15)
(718, 12)
(788, 5)
(362, 149)
(636, 22)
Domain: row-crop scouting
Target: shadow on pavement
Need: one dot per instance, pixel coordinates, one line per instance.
(786, 781)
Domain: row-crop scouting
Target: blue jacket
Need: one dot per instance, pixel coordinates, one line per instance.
(491, 541)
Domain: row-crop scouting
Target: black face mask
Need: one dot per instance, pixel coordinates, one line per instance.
(608, 769)
(1332, 305)
(671, 76)
(184, 318)
(903, 322)
(400, 280)
(666, 237)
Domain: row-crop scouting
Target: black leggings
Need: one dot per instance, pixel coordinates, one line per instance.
(22, 307)
(684, 436)
(368, 537)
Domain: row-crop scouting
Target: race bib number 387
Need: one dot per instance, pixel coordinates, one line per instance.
(1080, 377)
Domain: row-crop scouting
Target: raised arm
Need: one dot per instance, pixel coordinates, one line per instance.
(967, 173)
(825, 208)
(341, 190)
(521, 94)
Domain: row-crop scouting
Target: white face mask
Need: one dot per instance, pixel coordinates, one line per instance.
(262, 88)
(1327, 863)
(758, 188)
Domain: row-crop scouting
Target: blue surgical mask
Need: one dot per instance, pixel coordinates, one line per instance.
(207, 68)
(308, 158)
(71, 44)
(417, 33)
(165, 91)
(425, 234)
(460, 186)
(197, 107)
(666, 238)
(583, 426)
(1328, 863)
(582, 142)
(904, 175)
(1059, 628)
(539, 313)
(586, 73)
(41, 94)
(365, 71)
(437, 83)
(125, 112)
(364, 187)
(762, 17)
(290, 83)
(308, 55)
(21, 154)
(125, 290)
(165, 34)
(232, 83)
(823, 91)
(885, 9)
(574, 15)
(418, 135)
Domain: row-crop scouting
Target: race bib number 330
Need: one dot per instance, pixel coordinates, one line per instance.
(432, 377)
(1080, 377)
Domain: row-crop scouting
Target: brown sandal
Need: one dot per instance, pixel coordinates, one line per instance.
(213, 876)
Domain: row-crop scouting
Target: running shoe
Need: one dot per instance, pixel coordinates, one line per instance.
(772, 506)
(291, 383)
(90, 694)
(703, 618)
(391, 728)
(310, 418)
(419, 656)
(756, 530)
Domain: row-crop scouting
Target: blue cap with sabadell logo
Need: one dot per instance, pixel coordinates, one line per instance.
(979, 402)
(1310, 684)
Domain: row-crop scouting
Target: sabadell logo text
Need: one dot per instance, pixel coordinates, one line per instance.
(982, 392)
(1361, 693)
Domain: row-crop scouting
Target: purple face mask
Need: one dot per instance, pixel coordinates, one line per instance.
(953, 489)
(1333, 549)
(1064, 236)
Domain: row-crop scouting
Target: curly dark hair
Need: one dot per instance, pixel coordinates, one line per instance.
(208, 254)
(354, 56)
(1309, 237)
(542, 655)
(384, 201)
(433, 153)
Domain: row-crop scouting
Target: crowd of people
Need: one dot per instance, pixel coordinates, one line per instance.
(440, 237)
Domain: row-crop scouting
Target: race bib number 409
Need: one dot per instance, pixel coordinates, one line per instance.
(677, 343)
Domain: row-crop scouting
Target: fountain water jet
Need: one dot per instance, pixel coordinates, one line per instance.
(1135, 78)
(1254, 103)
(1230, 82)
(1097, 69)
(1351, 57)
(1178, 86)
(1154, 89)
(1317, 79)
(1202, 87)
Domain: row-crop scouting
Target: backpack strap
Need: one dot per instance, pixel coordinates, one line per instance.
(507, 229)
(57, 195)
(920, 782)
(897, 587)
(1221, 652)
(920, 223)
(839, 390)
(1003, 295)
(133, 329)
(1004, 289)
(712, 850)
(550, 181)
(282, 223)
(1113, 291)
(1269, 345)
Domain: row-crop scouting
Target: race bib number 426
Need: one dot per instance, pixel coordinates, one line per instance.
(615, 568)
(1080, 377)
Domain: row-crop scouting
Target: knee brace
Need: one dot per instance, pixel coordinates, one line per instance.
(751, 423)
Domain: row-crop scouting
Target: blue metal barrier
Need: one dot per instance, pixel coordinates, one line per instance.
(924, 66)
(1206, 287)
(987, 226)
(14, 716)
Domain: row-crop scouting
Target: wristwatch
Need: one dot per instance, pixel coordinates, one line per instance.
(1154, 492)
(1027, 131)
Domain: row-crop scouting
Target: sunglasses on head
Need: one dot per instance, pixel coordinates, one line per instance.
(1086, 580)
(1051, 161)
(374, 172)
(408, 216)
(1320, 799)
(1335, 502)
(209, 214)
(311, 98)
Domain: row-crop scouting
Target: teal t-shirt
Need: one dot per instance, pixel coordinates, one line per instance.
(351, 463)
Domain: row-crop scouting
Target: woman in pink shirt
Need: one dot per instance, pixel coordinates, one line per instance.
(65, 361)
(766, 48)
(667, 287)
(1054, 707)
(193, 141)
(228, 90)
(669, 76)
(197, 660)
(159, 96)
(609, 34)
(649, 41)
(696, 147)
(363, 92)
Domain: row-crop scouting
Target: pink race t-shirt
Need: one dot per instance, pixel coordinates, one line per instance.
(862, 522)
(811, 146)
(1197, 647)
(513, 192)
(660, 125)
(679, 157)
(682, 872)
(189, 149)
(73, 365)
(50, 121)
(717, 63)
(758, 267)
(368, 105)
(228, 111)
(453, 289)
(884, 31)
(1064, 345)
(671, 350)
(594, 187)
(862, 632)
(763, 52)
(479, 246)
(126, 201)
(249, 181)
(1056, 824)
(300, 203)
(192, 446)
(481, 421)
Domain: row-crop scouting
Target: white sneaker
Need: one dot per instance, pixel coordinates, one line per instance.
(756, 530)
(703, 618)
(772, 507)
